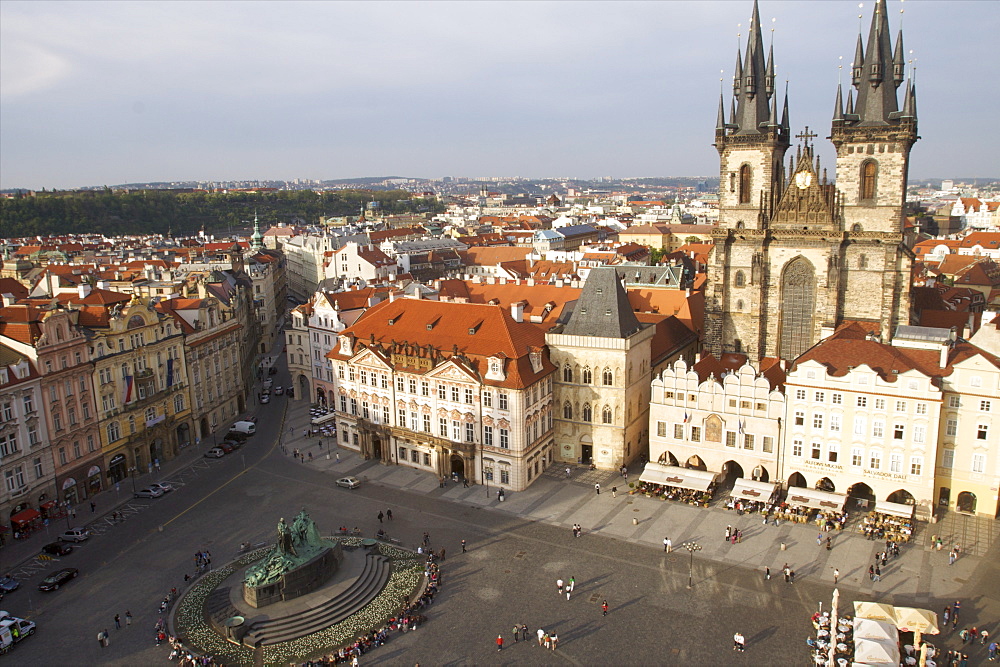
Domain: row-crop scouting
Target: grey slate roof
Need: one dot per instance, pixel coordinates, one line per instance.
(603, 309)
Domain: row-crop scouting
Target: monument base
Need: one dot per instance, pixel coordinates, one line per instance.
(297, 582)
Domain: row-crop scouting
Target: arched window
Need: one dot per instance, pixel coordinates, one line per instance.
(863, 262)
(588, 376)
(745, 184)
(114, 432)
(740, 280)
(587, 415)
(606, 414)
(567, 410)
(869, 177)
(567, 373)
(608, 377)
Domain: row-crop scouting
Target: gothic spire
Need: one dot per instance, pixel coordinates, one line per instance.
(738, 73)
(876, 97)
(769, 76)
(753, 93)
(785, 123)
(898, 60)
(720, 123)
(849, 111)
(838, 106)
(858, 64)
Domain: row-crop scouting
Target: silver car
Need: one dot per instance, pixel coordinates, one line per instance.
(148, 492)
(75, 535)
(349, 482)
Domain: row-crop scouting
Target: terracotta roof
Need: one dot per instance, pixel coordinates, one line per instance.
(984, 272)
(351, 299)
(20, 322)
(14, 288)
(988, 240)
(442, 329)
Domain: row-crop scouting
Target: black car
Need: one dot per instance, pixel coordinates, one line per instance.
(58, 578)
(237, 435)
(57, 549)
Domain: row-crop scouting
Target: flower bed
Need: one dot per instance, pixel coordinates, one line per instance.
(191, 626)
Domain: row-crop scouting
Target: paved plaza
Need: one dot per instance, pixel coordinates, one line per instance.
(517, 550)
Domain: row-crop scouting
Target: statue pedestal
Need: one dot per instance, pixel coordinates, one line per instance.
(298, 581)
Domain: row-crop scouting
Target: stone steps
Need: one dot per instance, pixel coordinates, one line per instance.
(373, 579)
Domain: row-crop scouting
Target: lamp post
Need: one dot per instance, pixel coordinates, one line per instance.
(691, 547)
(131, 475)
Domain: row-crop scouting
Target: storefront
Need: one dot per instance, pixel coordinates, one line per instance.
(823, 508)
(688, 485)
(94, 483)
(749, 495)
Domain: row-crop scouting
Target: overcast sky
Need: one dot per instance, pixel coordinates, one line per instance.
(96, 93)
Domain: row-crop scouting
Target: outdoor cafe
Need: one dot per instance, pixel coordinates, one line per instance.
(687, 485)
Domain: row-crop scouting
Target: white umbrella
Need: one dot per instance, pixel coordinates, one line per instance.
(833, 625)
(923, 651)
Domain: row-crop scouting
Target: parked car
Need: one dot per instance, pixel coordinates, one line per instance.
(9, 583)
(279, 390)
(227, 447)
(232, 442)
(75, 535)
(166, 487)
(268, 383)
(215, 453)
(57, 549)
(58, 578)
(349, 482)
(13, 630)
(265, 398)
(148, 492)
(236, 435)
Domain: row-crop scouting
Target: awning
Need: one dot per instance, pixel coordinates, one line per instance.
(682, 478)
(48, 504)
(68, 482)
(869, 628)
(94, 470)
(815, 499)
(24, 516)
(910, 619)
(875, 610)
(895, 509)
(751, 489)
(870, 652)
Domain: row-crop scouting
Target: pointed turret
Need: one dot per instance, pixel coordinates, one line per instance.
(720, 122)
(785, 121)
(256, 239)
(858, 64)
(907, 101)
(738, 73)
(877, 101)
(898, 60)
(753, 94)
(769, 76)
(773, 118)
(732, 112)
(849, 111)
(838, 106)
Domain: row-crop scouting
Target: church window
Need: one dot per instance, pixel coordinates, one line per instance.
(797, 305)
(588, 376)
(608, 377)
(587, 415)
(567, 410)
(567, 373)
(863, 262)
(606, 415)
(869, 175)
(745, 184)
(739, 305)
(740, 280)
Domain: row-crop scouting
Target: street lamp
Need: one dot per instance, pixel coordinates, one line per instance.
(131, 475)
(691, 547)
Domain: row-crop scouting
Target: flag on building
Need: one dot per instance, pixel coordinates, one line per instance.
(128, 389)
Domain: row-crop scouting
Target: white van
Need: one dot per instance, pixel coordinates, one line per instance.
(246, 428)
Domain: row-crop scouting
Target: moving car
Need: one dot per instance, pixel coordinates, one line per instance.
(166, 487)
(9, 583)
(57, 549)
(279, 390)
(265, 398)
(349, 482)
(148, 492)
(58, 578)
(215, 453)
(236, 435)
(75, 535)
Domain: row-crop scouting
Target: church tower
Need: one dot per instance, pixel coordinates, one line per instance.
(808, 255)
(751, 147)
(873, 137)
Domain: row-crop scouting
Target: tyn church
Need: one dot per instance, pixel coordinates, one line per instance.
(796, 255)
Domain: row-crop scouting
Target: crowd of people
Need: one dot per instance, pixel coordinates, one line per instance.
(878, 526)
(689, 496)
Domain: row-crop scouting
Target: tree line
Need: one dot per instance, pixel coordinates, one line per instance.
(115, 213)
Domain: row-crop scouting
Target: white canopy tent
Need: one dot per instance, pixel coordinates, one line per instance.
(895, 509)
(751, 489)
(871, 652)
(682, 478)
(816, 499)
(868, 628)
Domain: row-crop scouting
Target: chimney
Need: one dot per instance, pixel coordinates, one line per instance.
(517, 311)
(8, 299)
(83, 289)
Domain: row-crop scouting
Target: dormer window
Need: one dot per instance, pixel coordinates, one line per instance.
(345, 345)
(495, 369)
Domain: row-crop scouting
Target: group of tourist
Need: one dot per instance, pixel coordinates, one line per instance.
(689, 496)
(878, 526)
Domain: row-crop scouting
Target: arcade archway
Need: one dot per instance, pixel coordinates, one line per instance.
(760, 474)
(667, 458)
(457, 465)
(902, 497)
(696, 463)
(966, 502)
(797, 479)
(826, 484)
(731, 471)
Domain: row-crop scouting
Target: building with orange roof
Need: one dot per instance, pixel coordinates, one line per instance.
(25, 457)
(721, 415)
(354, 261)
(454, 389)
(984, 244)
(976, 214)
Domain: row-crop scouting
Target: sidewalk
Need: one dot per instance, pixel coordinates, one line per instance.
(919, 572)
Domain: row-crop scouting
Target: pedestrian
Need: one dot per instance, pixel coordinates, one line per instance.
(100, 638)
(559, 585)
(547, 641)
(614, 491)
(767, 573)
(952, 556)
(463, 546)
(388, 515)
(878, 573)
(524, 631)
(946, 614)
(555, 640)
(819, 539)
(786, 571)
(729, 532)
(739, 643)
(666, 544)
(567, 475)
(992, 651)
(93, 507)
(604, 608)
(836, 576)
(107, 638)
(541, 633)
(380, 517)
(739, 536)
(791, 576)
(569, 591)
(984, 636)
(465, 482)
(128, 618)
(517, 632)
(871, 572)
(442, 553)
(572, 583)
(118, 622)
(597, 487)
(499, 643)
(829, 544)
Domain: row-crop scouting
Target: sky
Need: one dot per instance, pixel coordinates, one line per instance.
(103, 93)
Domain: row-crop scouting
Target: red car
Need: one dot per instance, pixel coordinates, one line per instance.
(226, 447)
